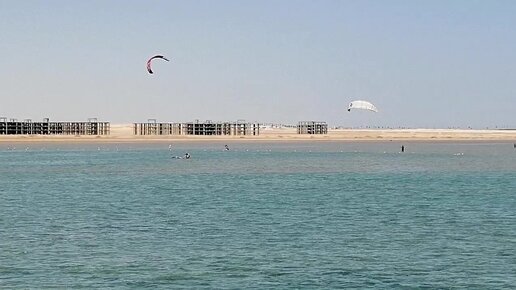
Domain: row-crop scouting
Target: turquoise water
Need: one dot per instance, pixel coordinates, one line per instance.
(263, 215)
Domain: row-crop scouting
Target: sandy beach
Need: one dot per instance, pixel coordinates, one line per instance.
(124, 133)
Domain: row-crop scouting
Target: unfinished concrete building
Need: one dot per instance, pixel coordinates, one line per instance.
(312, 127)
(207, 128)
(154, 128)
(28, 127)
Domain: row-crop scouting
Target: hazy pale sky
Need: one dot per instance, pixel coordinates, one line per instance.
(422, 63)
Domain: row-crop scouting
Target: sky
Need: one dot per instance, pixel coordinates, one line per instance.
(424, 64)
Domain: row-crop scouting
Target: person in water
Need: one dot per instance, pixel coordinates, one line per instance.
(187, 156)
(227, 147)
(402, 148)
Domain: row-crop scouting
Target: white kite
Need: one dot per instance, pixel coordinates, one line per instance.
(364, 105)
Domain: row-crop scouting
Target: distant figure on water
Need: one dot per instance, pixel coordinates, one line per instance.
(187, 156)
(402, 148)
(226, 147)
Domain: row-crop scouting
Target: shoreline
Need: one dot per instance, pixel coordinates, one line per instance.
(123, 134)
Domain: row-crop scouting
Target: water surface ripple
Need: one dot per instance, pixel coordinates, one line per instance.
(279, 216)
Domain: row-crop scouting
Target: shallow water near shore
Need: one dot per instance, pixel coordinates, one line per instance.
(262, 215)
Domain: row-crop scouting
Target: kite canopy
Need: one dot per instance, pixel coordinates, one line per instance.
(149, 62)
(364, 105)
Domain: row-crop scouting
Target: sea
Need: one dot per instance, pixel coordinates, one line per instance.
(262, 215)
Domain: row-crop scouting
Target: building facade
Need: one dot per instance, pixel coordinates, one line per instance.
(207, 128)
(312, 127)
(28, 127)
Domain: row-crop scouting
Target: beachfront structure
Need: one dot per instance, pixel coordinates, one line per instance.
(28, 127)
(221, 128)
(154, 128)
(312, 127)
(208, 128)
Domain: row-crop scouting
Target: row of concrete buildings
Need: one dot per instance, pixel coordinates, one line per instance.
(151, 127)
(238, 128)
(46, 127)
